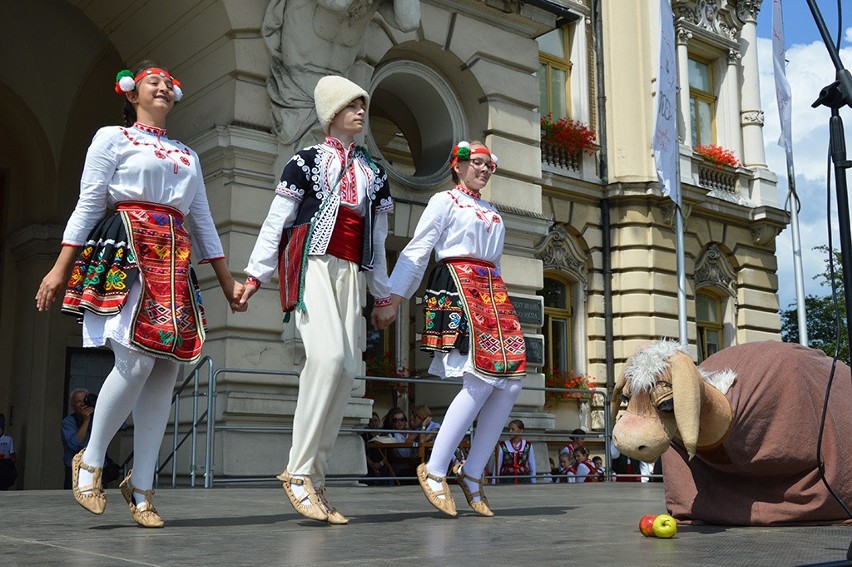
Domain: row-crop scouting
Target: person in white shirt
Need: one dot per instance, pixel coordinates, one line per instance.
(471, 326)
(330, 211)
(131, 279)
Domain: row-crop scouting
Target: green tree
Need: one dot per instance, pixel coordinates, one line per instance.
(823, 319)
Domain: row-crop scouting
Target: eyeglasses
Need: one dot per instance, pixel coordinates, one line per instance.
(480, 163)
(398, 420)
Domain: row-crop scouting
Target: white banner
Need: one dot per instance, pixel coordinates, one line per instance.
(665, 127)
(782, 86)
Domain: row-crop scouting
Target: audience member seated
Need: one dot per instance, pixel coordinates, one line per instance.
(8, 457)
(586, 471)
(403, 460)
(376, 467)
(565, 471)
(515, 456)
(577, 440)
(598, 461)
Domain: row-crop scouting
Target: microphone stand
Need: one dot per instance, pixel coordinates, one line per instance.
(835, 96)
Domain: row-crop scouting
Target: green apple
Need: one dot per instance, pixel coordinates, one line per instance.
(664, 526)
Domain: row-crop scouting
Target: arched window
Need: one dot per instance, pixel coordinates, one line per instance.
(708, 322)
(557, 323)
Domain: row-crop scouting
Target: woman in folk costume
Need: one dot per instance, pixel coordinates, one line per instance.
(329, 219)
(471, 326)
(515, 456)
(132, 282)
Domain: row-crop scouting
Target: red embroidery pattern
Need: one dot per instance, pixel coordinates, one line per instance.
(348, 187)
(160, 151)
(488, 216)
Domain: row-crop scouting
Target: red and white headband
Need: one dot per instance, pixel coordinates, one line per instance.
(462, 151)
(125, 82)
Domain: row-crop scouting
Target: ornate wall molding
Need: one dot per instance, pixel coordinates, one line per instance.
(747, 10)
(734, 56)
(712, 269)
(751, 117)
(711, 16)
(668, 209)
(560, 252)
(683, 35)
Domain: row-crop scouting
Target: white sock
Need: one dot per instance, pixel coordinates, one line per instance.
(299, 490)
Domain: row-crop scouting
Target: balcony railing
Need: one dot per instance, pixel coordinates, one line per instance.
(555, 155)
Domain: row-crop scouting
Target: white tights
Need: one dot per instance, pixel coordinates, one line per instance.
(493, 406)
(145, 385)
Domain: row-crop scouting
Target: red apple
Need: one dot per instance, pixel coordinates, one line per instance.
(646, 526)
(664, 526)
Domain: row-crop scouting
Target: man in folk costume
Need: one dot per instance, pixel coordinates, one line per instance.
(325, 232)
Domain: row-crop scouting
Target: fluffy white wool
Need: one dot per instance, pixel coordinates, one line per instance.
(332, 94)
(645, 367)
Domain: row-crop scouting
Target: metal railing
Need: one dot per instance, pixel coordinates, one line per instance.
(212, 427)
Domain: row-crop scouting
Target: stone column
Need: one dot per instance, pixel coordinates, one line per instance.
(732, 94)
(751, 113)
(684, 120)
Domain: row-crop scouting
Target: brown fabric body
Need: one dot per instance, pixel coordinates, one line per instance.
(772, 477)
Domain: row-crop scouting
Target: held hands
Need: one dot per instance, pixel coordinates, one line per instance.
(235, 297)
(250, 288)
(382, 317)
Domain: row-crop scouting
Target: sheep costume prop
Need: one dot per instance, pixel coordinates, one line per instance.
(738, 435)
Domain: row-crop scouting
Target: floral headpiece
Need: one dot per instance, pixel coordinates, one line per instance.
(462, 152)
(125, 82)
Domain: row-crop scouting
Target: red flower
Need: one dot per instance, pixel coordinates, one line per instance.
(571, 135)
(558, 378)
(717, 155)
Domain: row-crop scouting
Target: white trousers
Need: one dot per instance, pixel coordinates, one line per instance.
(330, 333)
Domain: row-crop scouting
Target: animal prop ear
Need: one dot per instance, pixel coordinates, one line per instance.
(687, 388)
(615, 401)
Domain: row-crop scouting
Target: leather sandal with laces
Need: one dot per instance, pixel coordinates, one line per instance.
(445, 504)
(479, 506)
(91, 497)
(334, 517)
(313, 509)
(146, 516)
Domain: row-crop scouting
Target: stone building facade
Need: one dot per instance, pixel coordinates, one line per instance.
(591, 231)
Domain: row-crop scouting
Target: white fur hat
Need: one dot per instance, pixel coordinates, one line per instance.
(332, 94)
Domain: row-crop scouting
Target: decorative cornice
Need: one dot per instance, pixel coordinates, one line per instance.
(713, 270)
(709, 16)
(751, 117)
(559, 252)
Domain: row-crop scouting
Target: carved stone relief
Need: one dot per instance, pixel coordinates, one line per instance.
(713, 270)
(559, 252)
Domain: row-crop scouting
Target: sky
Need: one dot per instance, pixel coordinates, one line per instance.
(809, 69)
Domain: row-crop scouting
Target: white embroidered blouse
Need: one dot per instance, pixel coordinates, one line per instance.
(456, 225)
(141, 163)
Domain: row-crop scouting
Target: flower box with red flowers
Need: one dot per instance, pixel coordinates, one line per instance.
(572, 136)
(558, 378)
(717, 155)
